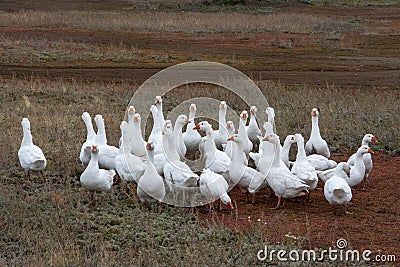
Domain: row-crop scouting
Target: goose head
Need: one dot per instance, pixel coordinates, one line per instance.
(253, 110)
(137, 118)
(158, 100)
(203, 126)
(370, 138)
(131, 110)
(86, 116)
(314, 112)
(26, 125)
(244, 116)
(192, 108)
(236, 138)
(290, 139)
(299, 138)
(99, 120)
(270, 114)
(182, 120)
(167, 127)
(222, 105)
(95, 149)
(230, 127)
(272, 138)
(364, 149)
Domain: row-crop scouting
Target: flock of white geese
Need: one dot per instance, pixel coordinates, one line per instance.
(159, 163)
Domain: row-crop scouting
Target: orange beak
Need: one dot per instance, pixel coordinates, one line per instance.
(135, 119)
(313, 113)
(148, 146)
(156, 101)
(252, 112)
(187, 121)
(197, 127)
(266, 138)
(244, 116)
(228, 126)
(221, 106)
(231, 138)
(230, 205)
(373, 139)
(131, 110)
(94, 148)
(370, 151)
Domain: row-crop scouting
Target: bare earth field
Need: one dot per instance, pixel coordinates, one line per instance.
(367, 58)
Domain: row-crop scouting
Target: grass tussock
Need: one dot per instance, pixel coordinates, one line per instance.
(173, 21)
(52, 224)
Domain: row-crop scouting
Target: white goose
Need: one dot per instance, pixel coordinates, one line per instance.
(221, 135)
(279, 177)
(129, 167)
(252, 129)
(245, 177)
(214, 159)
(242, 132)
(289, 140)
(316, 143)
(301, 167)
(367, 139)
(158, 103)
(138, 145)
(155, 137)
(84, 156)
(175, 171)
(30, 156)
(107, 154)
(179, 123)
(336, 189)
(320, 163)
(151, 185)
(94, 179)
(263, 159)
(214, 186)
(131, 114)
(191, 137)
(229, 146)
(357, 172)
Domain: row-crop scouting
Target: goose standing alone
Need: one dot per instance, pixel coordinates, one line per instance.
(30, 156)
(84, 156)
(151, 185)
(95, 179)
(367, 158)
(316, 143)
(336, 189)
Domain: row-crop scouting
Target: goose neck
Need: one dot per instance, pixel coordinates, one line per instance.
(27, 138)
(90, 131)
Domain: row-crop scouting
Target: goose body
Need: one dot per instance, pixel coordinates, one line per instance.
(151, 185)
(336, 189)
(84, 155)
(301, 167)
(321, 163)
(357, 171)
(367, 158)
(289, 140)
(155, 137)
(242, 175)
(252, 129)
(214, 186)
(138, 145)
(95, 179)
(191, 137)
(215, 160)
(129, 167)
(107, 153)
(221, 135)
(30, 156)
(316, 143)
(279, 177)
(179, 123)
(175, 171)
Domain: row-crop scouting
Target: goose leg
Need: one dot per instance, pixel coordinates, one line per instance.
(42, 174)
(144, 206)
(278, 204)
(253, 199)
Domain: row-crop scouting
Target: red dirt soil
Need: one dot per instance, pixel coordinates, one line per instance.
(373, 223)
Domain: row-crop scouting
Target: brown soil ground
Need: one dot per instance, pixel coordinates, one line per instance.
(375, 219)
(372, 223)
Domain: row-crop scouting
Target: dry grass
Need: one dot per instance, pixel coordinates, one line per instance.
(52, 224)
(172, 21)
